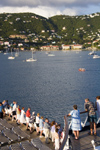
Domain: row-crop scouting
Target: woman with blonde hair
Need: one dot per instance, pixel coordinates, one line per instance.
(41, 125)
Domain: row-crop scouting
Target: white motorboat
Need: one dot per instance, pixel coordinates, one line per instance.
(5, 53)
(96, 56)
(11, 57)
(31, 59)
(50, 54)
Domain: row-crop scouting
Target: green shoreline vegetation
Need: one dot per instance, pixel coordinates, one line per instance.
(30, 31)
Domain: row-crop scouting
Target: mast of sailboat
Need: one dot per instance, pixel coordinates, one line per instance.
(32, 54)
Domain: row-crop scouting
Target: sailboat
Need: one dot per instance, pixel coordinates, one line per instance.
(92, 52)
(5, 53)
(11, 57)
(31, 59)
(17, 53)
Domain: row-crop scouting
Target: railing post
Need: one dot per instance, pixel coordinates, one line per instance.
(66, 131)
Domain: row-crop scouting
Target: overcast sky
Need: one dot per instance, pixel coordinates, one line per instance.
(48, 8)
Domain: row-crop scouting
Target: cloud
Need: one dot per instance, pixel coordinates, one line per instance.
(48, 3)
(50, 8)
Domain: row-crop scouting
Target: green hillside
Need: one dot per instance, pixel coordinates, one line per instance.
(62, 29)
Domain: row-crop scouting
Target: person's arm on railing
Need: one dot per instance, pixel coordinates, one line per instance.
(83, 112)
(68, 115)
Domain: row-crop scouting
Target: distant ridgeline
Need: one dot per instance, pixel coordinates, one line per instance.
(58, 29)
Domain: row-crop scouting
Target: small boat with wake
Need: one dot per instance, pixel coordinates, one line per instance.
(81, 69)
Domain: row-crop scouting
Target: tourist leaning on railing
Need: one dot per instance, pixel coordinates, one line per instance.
(52, 129)
(76, 121)
(92, 118)
(28, 115)
(14, 110)
(37, 123)
(41, 125)
(18, 112)
(97, 105)
(22, 116)
(1, 110)
(57, 141)
(47, 130)
(31, 122)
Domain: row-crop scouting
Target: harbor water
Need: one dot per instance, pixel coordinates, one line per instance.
(50, 85)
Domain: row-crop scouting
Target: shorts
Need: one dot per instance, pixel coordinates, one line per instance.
(41, 128)
(92, 118)
(31, 125)
(27, 119)
(14, 113)
(1, 114)
(37, 124)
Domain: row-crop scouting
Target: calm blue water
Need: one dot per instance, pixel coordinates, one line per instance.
(51, 85)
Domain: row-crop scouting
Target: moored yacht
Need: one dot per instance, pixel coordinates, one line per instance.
(96, 56)
(11, 57)
(31, 59)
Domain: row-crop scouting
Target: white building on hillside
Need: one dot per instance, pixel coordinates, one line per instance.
(65, 47)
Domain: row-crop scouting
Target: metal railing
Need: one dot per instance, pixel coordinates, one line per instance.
(67, 125)
(66, 132)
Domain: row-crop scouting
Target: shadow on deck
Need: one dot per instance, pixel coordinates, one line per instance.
(84, 141)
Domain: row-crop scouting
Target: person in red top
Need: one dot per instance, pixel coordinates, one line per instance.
(28, 114)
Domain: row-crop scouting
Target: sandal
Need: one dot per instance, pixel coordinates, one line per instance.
(91, 134)
(76, 138)
(95, 133)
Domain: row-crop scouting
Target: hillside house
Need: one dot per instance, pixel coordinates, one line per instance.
(18, 36)
(65, 47)
(20, 44)
(6, 43)
(1, 43)
(76, 46)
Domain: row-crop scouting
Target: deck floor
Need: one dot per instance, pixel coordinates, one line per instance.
(32, 136)
(84, 141)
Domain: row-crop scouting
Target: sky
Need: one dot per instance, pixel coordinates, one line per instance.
(49, 8)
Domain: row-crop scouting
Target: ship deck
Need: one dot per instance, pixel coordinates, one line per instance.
(14, 143)
(84, 141)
